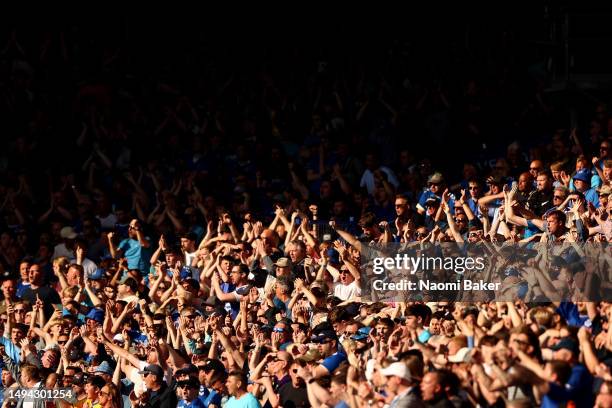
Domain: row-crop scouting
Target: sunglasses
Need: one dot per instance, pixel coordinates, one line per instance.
(557, 198)
(191, 316)
(62, 342)
(278, 330)
(104, 393)
(19, 310)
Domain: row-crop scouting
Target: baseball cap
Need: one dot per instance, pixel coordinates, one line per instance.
(212, 364)
(97, 274)
(131, 282)
(79, 379)
(583, 175)
(463, 355)
(334, 256)
(191, 383)
(604, 190)
(153, 369)
(435, 178)
(323, 336)
(432, 201)
(310, 355)
(96, 314)
(104, 368)
(396, 369)
(283, 262)
(68, 233)
(361, 334)
(189, 369)
(567, 343)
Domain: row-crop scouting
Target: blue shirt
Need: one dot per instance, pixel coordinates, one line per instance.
(332, 362)
(11, 349)
(569, 311)
(246, 401)
(135, 254)
(578, 389)
(196, 403)
(212, 398)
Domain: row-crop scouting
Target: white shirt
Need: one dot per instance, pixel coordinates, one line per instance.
(345, 292)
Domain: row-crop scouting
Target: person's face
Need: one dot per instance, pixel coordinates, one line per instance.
(607, 171)
(295, 379)
(534, 168)
(556, 174)
(91, 324)
(554, 225)
(604, 150)
(134, 225)
(72, 276)
(225, 265)
(110, 292)
(104, 395)
(171, 259)
(393, 383)
(283, 271)
(8, 289)
(345, 277)
(581, 185)
(235, 275)
(401, 207)
(524, 183)
(325, 348)
(188, 392)
(149, 380)
(461, 221)
(542, 182)
(434, 326)
(474, 189)
(35, 274)
(296, 253)
(412, 322)
(232, 384)
(49, 358)
(187, 245)
(434, 188)
(122, 289)
(558, 198)
(24, 269)
(7, 378)
(519, 341)
(429, 387)
(382, 331)
(91, 391)
(16, 335)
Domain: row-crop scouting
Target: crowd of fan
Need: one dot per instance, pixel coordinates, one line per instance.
(209, 255)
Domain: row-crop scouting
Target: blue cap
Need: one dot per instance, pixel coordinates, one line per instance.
(361, 334)
(96, 314)
(583, 175)
(334, 256)
(97, 274)
(185, 273)
(104, 368)
(65, 313)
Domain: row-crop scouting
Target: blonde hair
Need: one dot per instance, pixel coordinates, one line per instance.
(62, 263)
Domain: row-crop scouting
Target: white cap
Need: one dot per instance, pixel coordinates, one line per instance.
(463, 355)
(68, 233)
(396, 369)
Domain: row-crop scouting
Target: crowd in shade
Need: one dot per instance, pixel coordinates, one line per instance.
(188, 232)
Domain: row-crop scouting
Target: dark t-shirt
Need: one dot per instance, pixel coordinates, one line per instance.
(293, 397)
(46, 294)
